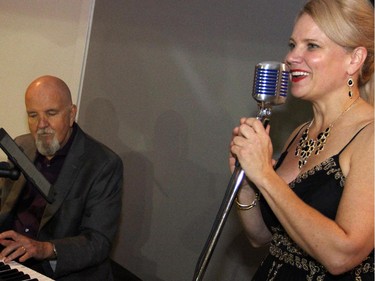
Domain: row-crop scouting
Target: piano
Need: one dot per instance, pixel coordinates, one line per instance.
(14, 271)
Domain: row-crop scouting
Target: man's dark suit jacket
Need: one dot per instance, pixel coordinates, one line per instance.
(83, 218)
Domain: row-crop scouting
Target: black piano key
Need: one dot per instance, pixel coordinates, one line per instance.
(4, 266)
(21, 277)
(17, 276)
(11, 275)
(7, 273)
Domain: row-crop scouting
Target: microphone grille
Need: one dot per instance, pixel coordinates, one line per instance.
(271, 82)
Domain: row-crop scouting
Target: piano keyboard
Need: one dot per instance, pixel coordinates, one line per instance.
(14, 271)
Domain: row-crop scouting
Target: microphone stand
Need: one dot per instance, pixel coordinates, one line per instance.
(229, 197)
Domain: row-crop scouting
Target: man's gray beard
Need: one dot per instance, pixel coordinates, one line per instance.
(47, 149)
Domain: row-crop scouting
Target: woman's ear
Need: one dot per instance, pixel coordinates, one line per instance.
(358, 56)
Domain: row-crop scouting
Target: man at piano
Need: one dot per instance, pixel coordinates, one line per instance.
(70, 238)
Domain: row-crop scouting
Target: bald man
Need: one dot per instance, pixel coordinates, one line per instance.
(69, 239)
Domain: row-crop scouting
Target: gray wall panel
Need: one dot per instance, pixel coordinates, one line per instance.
(166, 82)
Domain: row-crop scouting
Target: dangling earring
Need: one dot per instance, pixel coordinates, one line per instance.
(350, 84)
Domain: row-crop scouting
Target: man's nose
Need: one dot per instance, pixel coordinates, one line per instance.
(42, 122)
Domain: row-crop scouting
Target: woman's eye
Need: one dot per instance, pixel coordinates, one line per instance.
(312, 46)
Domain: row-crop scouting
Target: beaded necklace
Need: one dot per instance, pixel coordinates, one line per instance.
(306, 145)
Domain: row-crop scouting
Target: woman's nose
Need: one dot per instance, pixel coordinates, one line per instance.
(294, 56)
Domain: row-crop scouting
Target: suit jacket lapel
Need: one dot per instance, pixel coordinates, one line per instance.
(66, 177)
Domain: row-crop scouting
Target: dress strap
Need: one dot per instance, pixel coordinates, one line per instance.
(356, 134)
(285, 152)
(294, 138)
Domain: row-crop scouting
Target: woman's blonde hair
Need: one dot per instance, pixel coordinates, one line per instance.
(350, 24)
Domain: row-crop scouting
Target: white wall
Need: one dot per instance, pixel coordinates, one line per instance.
(39, 37)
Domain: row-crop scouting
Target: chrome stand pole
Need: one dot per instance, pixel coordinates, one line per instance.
(221, 217)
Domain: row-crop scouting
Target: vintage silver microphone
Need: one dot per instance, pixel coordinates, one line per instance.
(270, 87)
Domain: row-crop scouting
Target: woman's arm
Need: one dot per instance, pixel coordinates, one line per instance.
(338, 244)
(251, 219)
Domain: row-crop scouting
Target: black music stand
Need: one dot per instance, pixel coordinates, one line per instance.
(21, 161)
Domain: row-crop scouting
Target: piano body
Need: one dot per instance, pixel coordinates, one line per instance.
(14, 271)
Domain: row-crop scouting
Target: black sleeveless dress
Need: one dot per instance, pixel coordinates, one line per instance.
(321, 187)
